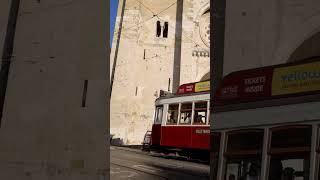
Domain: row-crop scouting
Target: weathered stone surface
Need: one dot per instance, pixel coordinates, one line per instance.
(145, 62)
(45, 132)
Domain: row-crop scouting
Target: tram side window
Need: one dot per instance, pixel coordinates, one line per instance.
(243, 155)
(158, 116)
(200, 113)
(290, 153)
(186, 113)
(173, 112)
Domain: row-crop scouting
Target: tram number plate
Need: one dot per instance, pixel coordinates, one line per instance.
(202, 131)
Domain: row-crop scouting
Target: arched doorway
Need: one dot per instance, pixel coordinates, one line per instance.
(309, 48)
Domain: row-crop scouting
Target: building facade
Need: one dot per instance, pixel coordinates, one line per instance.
(162, 44)
(270, 32)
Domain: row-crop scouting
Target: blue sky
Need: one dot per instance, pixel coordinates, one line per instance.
(113, 15)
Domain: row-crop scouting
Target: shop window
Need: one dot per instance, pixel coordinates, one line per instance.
(200, 113)
(165, 30)
(243, 154)
(186, 113)
(158, 29)
(290, 153)
(158, 115)
(173, 112)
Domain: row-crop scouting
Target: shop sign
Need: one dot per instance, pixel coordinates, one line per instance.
(246, 85)
(296, 79)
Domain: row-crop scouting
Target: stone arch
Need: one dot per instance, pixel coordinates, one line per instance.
(201, 11)
(309, 48)
(291, 43)
(205, 77)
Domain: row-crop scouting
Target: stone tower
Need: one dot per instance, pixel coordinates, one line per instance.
(162, 44)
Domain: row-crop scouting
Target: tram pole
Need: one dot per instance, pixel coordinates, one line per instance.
(217, 10)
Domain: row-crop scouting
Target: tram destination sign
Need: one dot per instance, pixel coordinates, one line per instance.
(269, 82)
(194, 87)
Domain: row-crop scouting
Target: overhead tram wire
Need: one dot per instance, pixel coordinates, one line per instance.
(185, 35)
(162, 20)
(153, 16)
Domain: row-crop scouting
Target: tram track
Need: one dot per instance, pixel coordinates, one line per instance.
(163, 168)
(139, 170)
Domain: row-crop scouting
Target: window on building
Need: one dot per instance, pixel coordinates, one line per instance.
(158, 29)
(200, 112)
(158, 115)
(165, 30)
(173, 112)
(186, 113)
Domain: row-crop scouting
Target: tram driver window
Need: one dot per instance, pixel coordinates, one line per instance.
(172, 116)
(200, 113)
(186, 113)
(290, 153)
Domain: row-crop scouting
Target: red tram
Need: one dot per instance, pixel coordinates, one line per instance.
(181, 122)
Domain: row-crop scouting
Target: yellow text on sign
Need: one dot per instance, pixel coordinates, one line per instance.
(296, 79)
(202, 86)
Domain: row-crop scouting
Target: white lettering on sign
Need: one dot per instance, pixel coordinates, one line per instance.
(189, 87)
(256, 80)
(254, 89)
(232, 90)
(203, 131)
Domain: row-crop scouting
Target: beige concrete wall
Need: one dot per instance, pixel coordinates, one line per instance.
(264, 32)
(145, 62)
(45, 132)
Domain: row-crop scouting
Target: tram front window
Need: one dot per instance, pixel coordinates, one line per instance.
(290, 153)
(243, 154)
